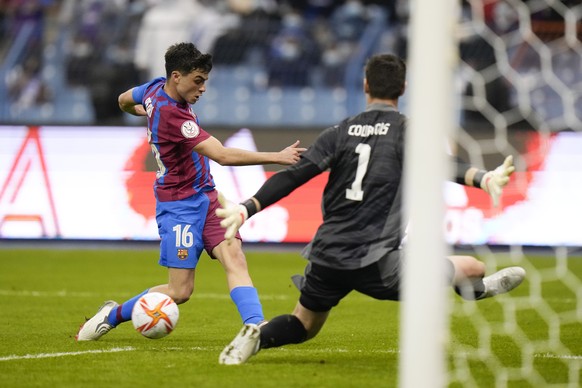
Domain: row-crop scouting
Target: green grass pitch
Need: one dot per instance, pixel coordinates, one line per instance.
(45, 294)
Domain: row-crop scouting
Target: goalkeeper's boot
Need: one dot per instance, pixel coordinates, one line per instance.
(503, 281)
(242, 347)
(97, 326)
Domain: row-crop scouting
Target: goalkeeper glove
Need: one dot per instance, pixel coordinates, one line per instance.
(233, 216)
(494, 181)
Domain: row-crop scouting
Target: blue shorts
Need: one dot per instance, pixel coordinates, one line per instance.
(188, 226)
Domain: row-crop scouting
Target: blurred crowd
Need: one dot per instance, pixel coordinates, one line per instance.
(113, 44)
(107, 46)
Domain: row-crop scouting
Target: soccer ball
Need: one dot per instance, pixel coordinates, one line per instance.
(155, 315)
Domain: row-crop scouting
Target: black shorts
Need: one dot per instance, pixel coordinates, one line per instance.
(324, 287)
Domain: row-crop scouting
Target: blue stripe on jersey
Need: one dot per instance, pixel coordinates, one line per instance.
(201, 173)
(155, 139)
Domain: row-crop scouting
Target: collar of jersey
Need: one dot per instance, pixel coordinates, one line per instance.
(381, 106)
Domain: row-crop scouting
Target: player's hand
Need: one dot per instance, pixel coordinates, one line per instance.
(291, 154)
(234, 215)
(494, 181)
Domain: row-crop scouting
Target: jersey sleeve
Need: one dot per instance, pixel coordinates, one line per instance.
(182, 127)
(285, 181)
(323, 149)
(138, 92)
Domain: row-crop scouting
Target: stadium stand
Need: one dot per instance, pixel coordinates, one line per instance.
(275, 64)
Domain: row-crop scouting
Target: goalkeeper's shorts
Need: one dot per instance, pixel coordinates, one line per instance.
(324, 287)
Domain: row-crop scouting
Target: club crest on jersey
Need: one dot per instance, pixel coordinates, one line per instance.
(190, 129)
(182, 254)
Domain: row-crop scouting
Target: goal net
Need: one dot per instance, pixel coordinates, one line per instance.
(518, 87)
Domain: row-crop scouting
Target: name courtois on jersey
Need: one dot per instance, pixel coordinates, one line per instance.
(368, 130)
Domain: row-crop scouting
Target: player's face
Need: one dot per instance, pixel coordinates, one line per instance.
(191, 86)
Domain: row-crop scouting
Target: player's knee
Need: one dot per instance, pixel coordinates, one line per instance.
(467, 267)
(475, 269)
(182, 295)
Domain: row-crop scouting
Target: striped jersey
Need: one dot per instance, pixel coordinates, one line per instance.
(173, 131)
(362, 200)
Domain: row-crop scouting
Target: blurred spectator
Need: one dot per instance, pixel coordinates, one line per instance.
(391, 8)
(15, 15)
(89, 23)
(21, 12)
(313, 9)
(26, 88)
(253, 26)
(82, 56)
(334, 54)
(114, 74)
(478, 53)
(334, 61)
(346, 28)
(168, 22)
(292, 54)
(349, 20)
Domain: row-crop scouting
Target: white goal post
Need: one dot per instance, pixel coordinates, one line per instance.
(498, 78)
(424, 313)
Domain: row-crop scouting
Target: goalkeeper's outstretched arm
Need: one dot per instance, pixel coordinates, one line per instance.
(492, 182)
(275, 188)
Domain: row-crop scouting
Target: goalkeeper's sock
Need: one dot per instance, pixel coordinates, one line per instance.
(282, 330)
(246, 299)
(122, 313)
(471, 289)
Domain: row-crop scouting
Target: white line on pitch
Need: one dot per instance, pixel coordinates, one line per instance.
(293, 349)
(63, 354)
(74, 294)
(561, 357)
(201, 295)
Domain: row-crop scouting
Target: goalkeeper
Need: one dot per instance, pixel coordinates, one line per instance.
(358, 245)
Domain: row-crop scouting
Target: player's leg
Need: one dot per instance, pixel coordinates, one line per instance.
(242, 291)
(231, 256)
(302, 325)
(180, 247)
(320, 292)
(179, 287)
(467, 276)
(282, 330)
(180, 284)
(470, 282)
(96, 326)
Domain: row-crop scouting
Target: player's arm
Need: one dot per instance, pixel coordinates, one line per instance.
(275, 188)
(492, 182)
(228, 156)
(129, 105)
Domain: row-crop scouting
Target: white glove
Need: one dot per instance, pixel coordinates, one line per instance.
(234, 216)
(494, 181)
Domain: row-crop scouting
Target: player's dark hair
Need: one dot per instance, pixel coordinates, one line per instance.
(185, 58)
(386, 75)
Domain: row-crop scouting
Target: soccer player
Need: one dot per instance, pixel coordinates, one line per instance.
(358, 245)
(186, 198)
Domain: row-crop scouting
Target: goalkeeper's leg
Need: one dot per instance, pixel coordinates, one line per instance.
(470, 282)
(294, 328)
